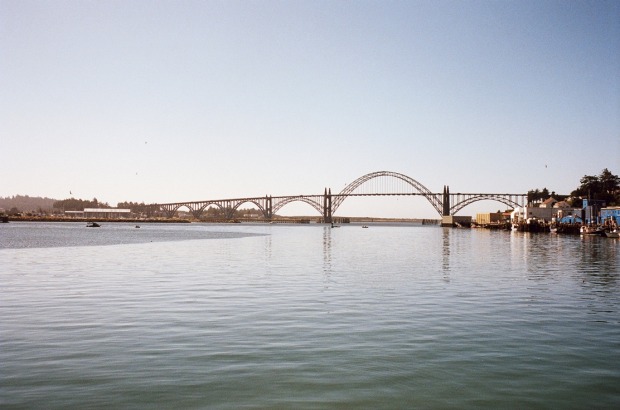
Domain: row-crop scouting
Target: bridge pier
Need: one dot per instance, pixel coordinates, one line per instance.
(446, 200)
(268, 207)
(327, 206)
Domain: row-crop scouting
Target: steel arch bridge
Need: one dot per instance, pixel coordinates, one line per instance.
(380, 183)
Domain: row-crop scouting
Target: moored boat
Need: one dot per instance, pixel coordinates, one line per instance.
(92, 225)
(591, 230)
(612, 234)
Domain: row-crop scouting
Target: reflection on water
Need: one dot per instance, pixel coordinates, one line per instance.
(281, 316)
(445, 252)
(327, 238)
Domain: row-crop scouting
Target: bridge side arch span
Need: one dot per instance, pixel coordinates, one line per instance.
(279, 204)
(506, 200)
(204, 205)
(435, 201)
(171, 209)
(249, 201)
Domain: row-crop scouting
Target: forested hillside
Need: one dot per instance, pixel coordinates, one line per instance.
(25, 203)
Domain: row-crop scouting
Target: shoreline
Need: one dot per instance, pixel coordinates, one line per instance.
(292, 219)
(85, 220)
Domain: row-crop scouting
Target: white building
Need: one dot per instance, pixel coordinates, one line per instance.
(524, 213)
(547, 214)
(106, 213)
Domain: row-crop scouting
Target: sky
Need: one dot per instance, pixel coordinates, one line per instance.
(169, 101)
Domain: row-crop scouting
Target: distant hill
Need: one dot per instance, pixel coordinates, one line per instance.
(25, 203)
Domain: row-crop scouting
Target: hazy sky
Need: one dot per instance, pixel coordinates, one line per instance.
(166, 101)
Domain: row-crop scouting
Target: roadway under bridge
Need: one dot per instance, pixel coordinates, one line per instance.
(380, 183)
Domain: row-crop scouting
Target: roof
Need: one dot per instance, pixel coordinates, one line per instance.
(109, 210)
(562, 204)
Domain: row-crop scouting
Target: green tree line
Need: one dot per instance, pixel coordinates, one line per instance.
(72, 204)
(605, 187)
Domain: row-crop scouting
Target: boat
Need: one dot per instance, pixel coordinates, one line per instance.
(364, 226)
(92, 225)
(591, 230)
(612, 234)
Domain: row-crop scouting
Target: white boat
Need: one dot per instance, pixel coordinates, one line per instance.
(591, 230)
(612, 234)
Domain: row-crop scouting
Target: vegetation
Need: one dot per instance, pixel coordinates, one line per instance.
(536, 195)
(605, 187)
(137, 208)
(215, 212)
(72, 204)
(24, 203)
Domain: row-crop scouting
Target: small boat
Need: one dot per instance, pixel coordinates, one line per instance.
(364, 226)
(92, 225)
(591, 230)
(137, 226)
(612, 234)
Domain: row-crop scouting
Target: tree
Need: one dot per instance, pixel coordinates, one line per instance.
(537, 195)
(609, 183)
(605, 186)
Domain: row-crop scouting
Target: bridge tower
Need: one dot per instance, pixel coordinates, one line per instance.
(268, 207)
(327, 206)
(446, 200)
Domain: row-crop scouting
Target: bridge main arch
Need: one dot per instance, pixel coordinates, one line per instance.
(435, 201)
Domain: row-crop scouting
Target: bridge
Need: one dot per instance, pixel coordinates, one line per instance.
(380, 183)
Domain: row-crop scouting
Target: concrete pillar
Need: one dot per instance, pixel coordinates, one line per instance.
(268, 207)
(446, 200)
(327, 206)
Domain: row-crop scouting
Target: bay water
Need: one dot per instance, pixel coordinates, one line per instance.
(208, 316)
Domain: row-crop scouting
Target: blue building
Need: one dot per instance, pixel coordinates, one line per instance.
(592, 210)
(570, 219)
(611, 213)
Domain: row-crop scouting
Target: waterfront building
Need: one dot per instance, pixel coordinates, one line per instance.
(106, 213)
(591, 213)
(550, 210)
(521, 214)
(489, 218)
(549, 203)
(570, 219)
(562, 205)
(611, 213)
